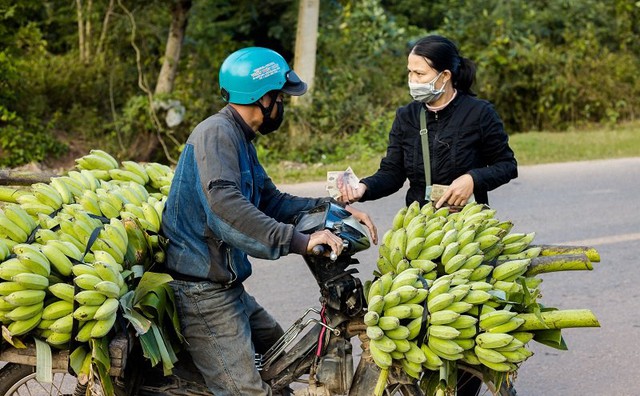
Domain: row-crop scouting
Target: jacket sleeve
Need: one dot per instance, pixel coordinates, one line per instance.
(282, 206)
(501, 165)
(391, 175)
(230, 215)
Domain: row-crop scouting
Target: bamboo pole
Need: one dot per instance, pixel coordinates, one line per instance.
(558, 320)
(10, 177)
(552, 250)
(561, 262)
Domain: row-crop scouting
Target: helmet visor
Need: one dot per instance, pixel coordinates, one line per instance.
(294, 85)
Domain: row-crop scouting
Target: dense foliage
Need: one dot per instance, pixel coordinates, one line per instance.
(545, 64)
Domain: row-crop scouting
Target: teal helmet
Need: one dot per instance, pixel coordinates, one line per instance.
(247, 74)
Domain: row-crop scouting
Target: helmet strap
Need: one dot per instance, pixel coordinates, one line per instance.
(266, 111)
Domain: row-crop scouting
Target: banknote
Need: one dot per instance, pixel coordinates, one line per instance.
(336, 178)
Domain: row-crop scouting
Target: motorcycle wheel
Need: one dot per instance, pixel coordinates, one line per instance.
(18, 379)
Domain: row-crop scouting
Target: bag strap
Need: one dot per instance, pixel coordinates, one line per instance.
(424, 138)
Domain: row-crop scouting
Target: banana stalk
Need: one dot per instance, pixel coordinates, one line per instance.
(552, 250)
(560, 262)
(560, 319)
(382, 382)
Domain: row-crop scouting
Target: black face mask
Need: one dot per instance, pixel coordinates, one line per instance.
(271, 124)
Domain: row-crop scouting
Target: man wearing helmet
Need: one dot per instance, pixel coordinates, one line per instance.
(222, 207)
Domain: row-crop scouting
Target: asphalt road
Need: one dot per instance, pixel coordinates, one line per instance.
(593, 203)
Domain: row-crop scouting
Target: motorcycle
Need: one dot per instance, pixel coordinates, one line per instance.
(314, 357)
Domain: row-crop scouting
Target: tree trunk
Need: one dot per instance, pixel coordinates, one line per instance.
(87, 28)
(305, 51)
(105, 25)
(81, 41)
(179, 11)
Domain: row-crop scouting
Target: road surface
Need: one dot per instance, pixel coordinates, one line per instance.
(593, 203)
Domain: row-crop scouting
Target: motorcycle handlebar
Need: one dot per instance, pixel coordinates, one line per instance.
(320, 250)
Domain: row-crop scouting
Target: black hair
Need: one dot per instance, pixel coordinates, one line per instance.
(442, 54)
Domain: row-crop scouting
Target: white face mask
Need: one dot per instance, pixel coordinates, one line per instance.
(426, 92)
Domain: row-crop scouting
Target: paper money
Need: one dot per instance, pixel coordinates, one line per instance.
(336, 178)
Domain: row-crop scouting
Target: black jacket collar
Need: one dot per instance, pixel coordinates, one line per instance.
(248, 132)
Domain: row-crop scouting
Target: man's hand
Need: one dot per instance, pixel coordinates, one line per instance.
(458, 192)
(364, 218)
(325, 237)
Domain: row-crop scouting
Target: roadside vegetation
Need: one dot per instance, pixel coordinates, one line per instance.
(531, 148)
(84, 74)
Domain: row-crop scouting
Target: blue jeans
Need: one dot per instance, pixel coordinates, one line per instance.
(224, 327)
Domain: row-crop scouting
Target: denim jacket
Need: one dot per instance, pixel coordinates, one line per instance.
(222, 206)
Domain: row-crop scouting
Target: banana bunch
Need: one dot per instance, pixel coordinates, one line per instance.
(15, 224)
(101, 284)
(82, 227)
(160, 176)
(499, 346)
(394, 319)
(466, 270)
(26, 279)
(97, 160)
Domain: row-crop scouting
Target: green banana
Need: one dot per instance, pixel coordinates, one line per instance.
(508, 326)
(371, 318)
(431, 358)
(463, 321)
(510, 269)
(493, 340)
(84, 332)
(388, 322)
(57, 309)
(399, 333)
(398, 220)
(63, 324)
(495, 318)
(11, 267)
(447, 349)
(90, 297)
(21, 327)
(31, 281)
(440, 302)
(444, 332)
(25, 297)
(415, 354)
(381, 358)
(443, 317)
(374, 332)
(25, 312)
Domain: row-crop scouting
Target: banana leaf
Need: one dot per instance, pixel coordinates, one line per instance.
(150, 308)
(139, 322)
(552, 338)
(44, 362)
(102, 363)
(14, 341)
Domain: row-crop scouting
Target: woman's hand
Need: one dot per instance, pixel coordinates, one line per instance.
(325, 237)
(364, 218)
(350, 194)
(458, 192)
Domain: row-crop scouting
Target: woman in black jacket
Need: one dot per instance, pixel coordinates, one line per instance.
(468, 147)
